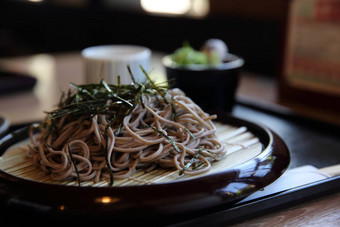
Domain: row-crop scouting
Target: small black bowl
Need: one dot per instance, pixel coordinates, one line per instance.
(213, 88)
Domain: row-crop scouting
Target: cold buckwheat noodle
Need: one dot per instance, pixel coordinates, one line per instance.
(98, 146)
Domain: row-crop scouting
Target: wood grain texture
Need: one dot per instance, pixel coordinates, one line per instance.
(319, 212)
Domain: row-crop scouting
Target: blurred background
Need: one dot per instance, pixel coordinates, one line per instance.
(252, 29)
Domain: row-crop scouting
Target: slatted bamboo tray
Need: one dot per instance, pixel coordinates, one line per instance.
(241, 144)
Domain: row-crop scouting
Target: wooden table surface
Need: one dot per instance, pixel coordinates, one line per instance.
(54, 73)
(324, 211)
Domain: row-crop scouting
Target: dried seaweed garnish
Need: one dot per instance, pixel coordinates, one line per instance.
(73, 163)
(191, 161)
(114, 101)
(167, 137)
(91, 99)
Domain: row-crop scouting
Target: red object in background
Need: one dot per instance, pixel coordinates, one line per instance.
(310, 73)
(328, 10)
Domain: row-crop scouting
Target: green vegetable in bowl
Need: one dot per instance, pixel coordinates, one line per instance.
(187, 55)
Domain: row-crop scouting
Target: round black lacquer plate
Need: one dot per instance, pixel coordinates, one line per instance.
(160, 203)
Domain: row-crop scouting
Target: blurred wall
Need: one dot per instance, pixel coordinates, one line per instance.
(251, 30)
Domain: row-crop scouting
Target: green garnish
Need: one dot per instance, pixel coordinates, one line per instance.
(81, 90)
(191, 135)
(167, 137)
(115, 101)
(73, 163)
(162, 92)
(92, 99)
(111, 93)
(187, 55)
(191, 161)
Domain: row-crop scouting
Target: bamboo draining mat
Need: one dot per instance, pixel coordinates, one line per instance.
(241, 144)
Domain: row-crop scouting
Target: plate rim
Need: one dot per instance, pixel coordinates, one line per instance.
(214, 185)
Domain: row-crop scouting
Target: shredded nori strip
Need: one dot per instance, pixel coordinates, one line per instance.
(115, 101)
(191, 161)
(73, 163)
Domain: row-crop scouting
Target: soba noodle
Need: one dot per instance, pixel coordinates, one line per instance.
(90, 147)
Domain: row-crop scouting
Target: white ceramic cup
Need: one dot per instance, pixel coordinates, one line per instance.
(108, 61)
